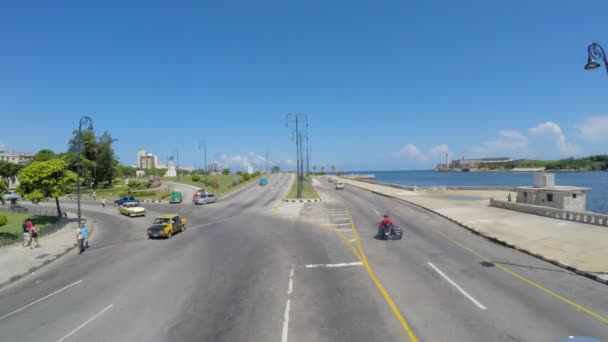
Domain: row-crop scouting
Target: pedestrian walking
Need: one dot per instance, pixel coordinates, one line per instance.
(26, 234)
(34, 234)
(509, 197)
(103, 202)
(29, 224)
(94, 196)
(85, 236)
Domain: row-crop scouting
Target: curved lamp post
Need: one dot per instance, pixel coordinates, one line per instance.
(86, 122)
(595, 55)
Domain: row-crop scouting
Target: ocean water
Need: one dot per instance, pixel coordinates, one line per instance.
(597, 197)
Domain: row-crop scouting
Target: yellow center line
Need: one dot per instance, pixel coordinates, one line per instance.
(529, 282)
(385, 295)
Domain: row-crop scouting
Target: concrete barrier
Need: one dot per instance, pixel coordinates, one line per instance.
(440, 188)
(582, 217)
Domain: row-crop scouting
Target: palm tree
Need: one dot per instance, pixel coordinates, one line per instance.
(314, 168)
(333, 168)
(322, 169)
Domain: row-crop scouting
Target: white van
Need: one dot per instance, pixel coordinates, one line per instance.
(339, 185)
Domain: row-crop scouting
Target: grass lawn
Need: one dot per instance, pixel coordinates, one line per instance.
(12, 231)
(224, 180)
(307, 189)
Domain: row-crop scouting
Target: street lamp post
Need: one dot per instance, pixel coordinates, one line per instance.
(595, 55)
(296, 118)
(84, 121)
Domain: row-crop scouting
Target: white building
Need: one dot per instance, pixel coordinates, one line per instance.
(213, 167)
(250, 169)
(146, 160)
(16, 157)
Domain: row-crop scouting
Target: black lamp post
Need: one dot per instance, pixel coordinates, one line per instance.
(88, 123)
(595, 55)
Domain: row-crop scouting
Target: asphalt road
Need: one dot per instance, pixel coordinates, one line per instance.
(510, 296)
(239, 274)
(235, 274)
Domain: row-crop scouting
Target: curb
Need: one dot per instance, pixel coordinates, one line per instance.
(505, 243)
(37, 267)
(293, 200)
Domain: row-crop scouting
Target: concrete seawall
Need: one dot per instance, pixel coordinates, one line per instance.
(576, 216)
(439, 188)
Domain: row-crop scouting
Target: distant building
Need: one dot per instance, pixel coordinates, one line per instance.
(146, 160)
(468, 164)
(16, 157)
(545, 193)
(250, 169)
(213, 167)
(187, 168)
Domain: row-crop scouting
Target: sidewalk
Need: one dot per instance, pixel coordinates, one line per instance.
(577, 246)
(17, 261)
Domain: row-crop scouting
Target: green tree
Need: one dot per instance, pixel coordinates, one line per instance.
(44, 155)
(8, 169)
(46, 179)
(3, 189)
(314, 168)
(226, 171)
(105, 160)
(333, 168)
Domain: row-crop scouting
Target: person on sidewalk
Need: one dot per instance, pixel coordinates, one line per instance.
(29, 224)
(26, 234)
(94, 196)
(34, 234)
(103, 202)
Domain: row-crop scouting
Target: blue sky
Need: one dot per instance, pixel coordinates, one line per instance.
(385, 84)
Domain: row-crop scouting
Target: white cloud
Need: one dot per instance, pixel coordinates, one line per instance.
(440, 149)
(411, 151)
(594, 129)
(509, 143)
(554, 132)
(239, 162)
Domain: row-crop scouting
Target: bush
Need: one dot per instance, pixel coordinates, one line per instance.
(138, 193)
(235, 181)
(196, 178)
(245, 176)
(3, 220)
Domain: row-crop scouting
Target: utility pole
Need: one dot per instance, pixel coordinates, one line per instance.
(204, 143)
(298, 137)
(266, 162)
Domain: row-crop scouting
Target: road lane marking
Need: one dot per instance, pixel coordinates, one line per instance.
(285, 330)
(40, 300)
(376, 211)
(344, 230)
(85, 323)
(344, 264)
(530, 282)
(453, 283)
(353, 240)
(389, 301)
(338, 216)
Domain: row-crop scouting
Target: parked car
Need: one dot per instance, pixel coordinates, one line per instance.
(176, 197)
(11, 196)
(263, 181)
(339, 186)
(205, 199)
(167, 225)
(126, 199)
(132, 209)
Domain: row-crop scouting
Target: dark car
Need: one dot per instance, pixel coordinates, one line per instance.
(126, 199)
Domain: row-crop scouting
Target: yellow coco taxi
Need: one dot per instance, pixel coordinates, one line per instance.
(166, 225)
(132, 209)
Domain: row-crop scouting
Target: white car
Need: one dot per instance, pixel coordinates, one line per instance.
(132, 209)
(11, 195)
(339, 185)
